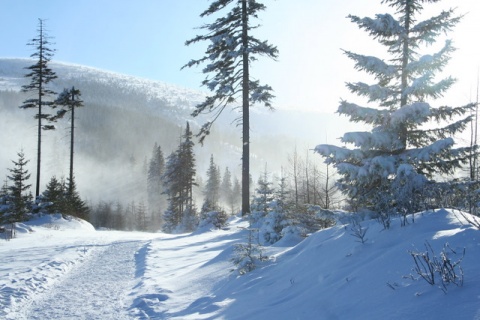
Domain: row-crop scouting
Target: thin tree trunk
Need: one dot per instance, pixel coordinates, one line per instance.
(404, 78)
(245, 116)
(72, 142)
(39, 147)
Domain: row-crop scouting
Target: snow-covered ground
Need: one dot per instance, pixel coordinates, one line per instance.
(64, 269)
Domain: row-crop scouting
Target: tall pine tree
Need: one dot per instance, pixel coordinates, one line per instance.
(232, 49)
(391, 166)
(69, 100)
(40, 76)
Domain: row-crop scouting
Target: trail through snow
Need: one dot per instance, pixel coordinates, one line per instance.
(64, 269)
(97, 289)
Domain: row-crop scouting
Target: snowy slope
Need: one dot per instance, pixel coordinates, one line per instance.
(65, 270)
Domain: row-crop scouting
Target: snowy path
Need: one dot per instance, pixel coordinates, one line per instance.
(97, 289)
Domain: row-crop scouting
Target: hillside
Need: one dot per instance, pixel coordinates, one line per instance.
(59, 268)
(124, 116)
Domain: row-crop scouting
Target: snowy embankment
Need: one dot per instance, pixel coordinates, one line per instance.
(66, 270)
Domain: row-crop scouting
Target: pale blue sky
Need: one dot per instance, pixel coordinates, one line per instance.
(146, 38)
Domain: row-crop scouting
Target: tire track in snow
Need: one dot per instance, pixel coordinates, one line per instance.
(98, 289)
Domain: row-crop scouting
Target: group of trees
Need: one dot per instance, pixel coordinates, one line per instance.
(401, 165)
(61, 197)
(172, 186)
(181, 199)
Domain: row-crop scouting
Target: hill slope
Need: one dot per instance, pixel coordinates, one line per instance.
(326, 276)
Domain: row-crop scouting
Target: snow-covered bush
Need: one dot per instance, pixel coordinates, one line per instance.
(248, 255)
(217, 219)
(270, 230)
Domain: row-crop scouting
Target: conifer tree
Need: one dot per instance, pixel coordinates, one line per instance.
(156, 169)
(141, 216)
(18, 191)
(236, 198)
(179, 179)
(226, 187)
(54, 194)
(232, 49)
(212, 188)
(69, 100)
(4, 202)
(74, 205)
(40, 76)
(265, 194)
(391, 166)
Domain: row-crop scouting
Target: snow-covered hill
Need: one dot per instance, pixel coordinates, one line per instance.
(65, 270)
(125, 116)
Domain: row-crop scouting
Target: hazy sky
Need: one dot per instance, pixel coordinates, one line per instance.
(146, 38)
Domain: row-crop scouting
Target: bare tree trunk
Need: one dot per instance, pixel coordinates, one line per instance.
(40, 91)
(327, 189)
(245, 116)
(307, 181)
(70, 186)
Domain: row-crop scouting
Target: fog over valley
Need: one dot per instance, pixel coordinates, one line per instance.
(124, 116)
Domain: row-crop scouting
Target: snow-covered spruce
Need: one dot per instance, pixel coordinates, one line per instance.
(392, 168)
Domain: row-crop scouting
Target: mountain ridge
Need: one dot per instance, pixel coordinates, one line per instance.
(125, 115)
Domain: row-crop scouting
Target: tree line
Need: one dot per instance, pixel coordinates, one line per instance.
(179, 199)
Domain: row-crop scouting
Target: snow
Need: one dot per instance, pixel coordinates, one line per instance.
(64, 269)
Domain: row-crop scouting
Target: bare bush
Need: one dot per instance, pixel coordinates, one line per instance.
(358, 231)
(430, 267)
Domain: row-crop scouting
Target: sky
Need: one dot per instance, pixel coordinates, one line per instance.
(146, 38)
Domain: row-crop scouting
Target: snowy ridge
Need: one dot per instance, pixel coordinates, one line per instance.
(329, 275)
(12, 73)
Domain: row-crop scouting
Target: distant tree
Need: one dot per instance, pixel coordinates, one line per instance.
(212, 188)
(282, 193)
(295, 175)
(69, 100)
(226, 187)
(236, 199)
(393, 165)
(179, 179)
(120, 220)
(141, 216)
(264, 196)
(18, 191)
(40, 76)
(329, 191)
(228, 58)
(156, 198)
(102, 215)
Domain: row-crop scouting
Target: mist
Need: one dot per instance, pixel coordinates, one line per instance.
(122, 119)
